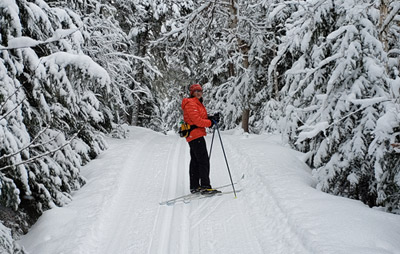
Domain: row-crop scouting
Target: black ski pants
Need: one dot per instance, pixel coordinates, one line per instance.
(199, 168)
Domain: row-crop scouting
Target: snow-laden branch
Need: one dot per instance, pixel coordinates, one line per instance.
(28, 42)
(144, 60)
(395, 11)
(9, 97)
(12, 110)
(82, 62)
(33, 159)
(310, 72)
(394, 52)
(189, 19)
(25, 147)
(312, 131)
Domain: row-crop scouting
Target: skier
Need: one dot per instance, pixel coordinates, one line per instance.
(194, 113)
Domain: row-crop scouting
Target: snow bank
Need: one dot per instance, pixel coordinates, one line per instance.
(325, 223)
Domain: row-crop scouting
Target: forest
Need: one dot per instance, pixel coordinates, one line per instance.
(323, 74)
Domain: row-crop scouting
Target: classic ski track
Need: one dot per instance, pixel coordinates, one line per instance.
(156, 220)
(180, 228)
(274, 208)
(168, 213)
(203, 215)
(206, 212)
(92, 235)
(120, 200)
(167, 216)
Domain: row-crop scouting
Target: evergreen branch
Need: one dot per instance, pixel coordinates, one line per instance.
(358, 110)
(19, 104)
(312, 71)
(189, 19)
(47, 142)
(135, 92)
(38, 43)
(33, 159)
(27, 146)
(393, 52)
(9, 97)
(142, 59)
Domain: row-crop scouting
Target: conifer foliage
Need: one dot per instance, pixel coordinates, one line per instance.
(52, 106)
(323, 73)
(340, 103)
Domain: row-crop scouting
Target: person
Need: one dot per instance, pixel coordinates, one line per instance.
(194, 113)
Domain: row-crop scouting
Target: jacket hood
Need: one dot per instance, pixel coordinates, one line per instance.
(193, 99)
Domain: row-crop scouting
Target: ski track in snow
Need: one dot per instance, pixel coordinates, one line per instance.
(271, 221)
(118, 210)
(127, 217)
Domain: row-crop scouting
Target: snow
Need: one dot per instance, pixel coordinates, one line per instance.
(22, 42)
(83, 62)
(61, 33)
(26, 42)
(6, 242)
(12, 9)
(312, 131)
(277, 211)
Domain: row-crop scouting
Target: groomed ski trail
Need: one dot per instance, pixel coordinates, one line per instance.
(125, 216)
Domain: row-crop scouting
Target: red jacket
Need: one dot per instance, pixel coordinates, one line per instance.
(194, 113)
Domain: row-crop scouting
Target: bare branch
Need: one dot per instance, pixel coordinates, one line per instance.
(190, 18)
(390, 18)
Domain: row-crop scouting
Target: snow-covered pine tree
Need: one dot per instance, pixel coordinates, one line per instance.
(388, 125)
(141, 21)
(52, 106)
(210, 44)
(269, 22)
(176, 77)
(337, 97)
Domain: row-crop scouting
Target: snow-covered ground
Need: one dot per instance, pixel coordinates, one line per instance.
(277, 209)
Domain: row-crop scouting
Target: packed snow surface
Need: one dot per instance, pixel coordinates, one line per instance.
(278, 210)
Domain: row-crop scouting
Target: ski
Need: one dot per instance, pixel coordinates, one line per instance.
(212, 195)
(196, 196)
(189, 196)
(181, 198)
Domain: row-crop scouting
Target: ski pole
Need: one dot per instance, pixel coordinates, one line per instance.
(226, 160)
(212, 141)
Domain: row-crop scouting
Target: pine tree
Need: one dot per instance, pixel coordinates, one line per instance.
(220, 45)
(52, 106)
(337, 96)
(141, 21)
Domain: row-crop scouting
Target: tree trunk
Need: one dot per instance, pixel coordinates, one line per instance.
(245, 120)
(384, 9)
(244, 49)
(134, 114)
(133, 111)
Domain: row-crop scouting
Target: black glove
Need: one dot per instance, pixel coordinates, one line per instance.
(214, 119)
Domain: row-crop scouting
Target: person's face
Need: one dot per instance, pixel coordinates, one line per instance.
(198, 94)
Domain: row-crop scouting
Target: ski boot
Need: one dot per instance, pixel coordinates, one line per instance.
(209, 191)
